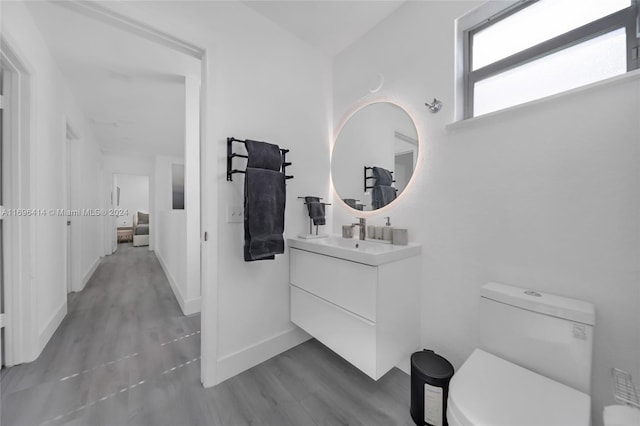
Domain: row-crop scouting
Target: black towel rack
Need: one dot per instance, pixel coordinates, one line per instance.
(302, 198)
(366, 178)
(311, 220)
(231, 155)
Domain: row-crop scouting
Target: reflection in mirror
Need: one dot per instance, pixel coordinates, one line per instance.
(374, 156)
(177, 186)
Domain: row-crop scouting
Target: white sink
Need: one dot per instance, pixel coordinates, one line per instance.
(367, 252)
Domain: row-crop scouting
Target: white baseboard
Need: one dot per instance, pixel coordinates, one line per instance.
(51, 326)
(405, 365)
(89, 274)
(239, 361)
(188, 306)
(192, 306)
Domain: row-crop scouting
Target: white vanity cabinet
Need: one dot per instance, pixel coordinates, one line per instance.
(368, 314)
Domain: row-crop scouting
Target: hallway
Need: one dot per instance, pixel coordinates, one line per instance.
(117, 341)
(125, 355)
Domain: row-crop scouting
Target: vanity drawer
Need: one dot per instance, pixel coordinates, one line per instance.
(350, 285)
(348, 335)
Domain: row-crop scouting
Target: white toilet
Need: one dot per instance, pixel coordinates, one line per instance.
(534, 365)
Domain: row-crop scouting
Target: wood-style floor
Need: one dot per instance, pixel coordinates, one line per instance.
(125, 355)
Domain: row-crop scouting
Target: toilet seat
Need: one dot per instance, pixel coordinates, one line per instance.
(488, 390)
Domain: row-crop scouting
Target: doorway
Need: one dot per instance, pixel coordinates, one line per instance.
(73, 216)
(131, 210)
(2, 140)
(17, 335)
(21, 267)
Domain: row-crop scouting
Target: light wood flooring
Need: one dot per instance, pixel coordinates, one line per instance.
(125, 355)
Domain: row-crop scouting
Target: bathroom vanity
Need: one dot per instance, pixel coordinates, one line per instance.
(359, 298)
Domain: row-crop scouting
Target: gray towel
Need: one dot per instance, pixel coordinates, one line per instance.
(316, 210)
(264, 203)
(263, 155)
(383, 176)
(381, 195)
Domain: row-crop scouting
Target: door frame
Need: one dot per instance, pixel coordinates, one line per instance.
(136, 23)
(19, 236)
(72, 200)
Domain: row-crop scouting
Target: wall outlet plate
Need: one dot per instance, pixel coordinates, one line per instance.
(235, 214)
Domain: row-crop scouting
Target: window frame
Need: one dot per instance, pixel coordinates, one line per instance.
(627, 18)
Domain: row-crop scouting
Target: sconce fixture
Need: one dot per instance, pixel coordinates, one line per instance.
(434, 106)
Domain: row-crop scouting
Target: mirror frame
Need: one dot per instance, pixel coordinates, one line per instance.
(336, 133)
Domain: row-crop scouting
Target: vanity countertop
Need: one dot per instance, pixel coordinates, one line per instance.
(367, 252)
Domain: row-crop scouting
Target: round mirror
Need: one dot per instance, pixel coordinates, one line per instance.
(374, 156)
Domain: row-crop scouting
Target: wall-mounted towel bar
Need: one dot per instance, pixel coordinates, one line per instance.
(302, 198)
(368, 177)
(231, 155)
(311, 220)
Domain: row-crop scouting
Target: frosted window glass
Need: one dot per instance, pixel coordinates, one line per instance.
(534, 24)
(593, 60)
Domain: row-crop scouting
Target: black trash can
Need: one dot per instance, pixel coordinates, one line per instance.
(430, 377)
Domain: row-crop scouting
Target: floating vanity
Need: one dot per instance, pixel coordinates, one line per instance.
(360, 298)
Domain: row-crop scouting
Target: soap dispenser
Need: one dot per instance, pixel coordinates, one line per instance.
(387, 231)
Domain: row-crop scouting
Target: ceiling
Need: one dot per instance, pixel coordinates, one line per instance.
(131, 90)
(328, 25)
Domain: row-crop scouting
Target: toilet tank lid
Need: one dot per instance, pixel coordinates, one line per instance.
(544, 303)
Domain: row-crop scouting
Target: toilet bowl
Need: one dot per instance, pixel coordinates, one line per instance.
(621, 415)
(534, 364)
(488, 390)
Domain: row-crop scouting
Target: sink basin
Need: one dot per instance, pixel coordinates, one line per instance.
(367, 252)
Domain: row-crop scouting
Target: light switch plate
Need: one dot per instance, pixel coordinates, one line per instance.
(235, 214)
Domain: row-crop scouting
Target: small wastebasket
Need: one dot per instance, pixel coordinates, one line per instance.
(430, 377)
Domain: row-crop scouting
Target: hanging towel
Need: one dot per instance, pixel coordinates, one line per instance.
(263, 155)
(264, 203)
(382, 195)
(316, 210)
(383, 176)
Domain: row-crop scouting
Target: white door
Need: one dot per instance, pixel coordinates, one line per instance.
(2, 216)
(69, 270)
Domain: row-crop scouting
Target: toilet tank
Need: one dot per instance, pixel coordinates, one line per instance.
(548, 334)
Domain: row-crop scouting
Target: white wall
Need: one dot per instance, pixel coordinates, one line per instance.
(52, 106)
(545, 196)
(162, 173)
(178, 231)
(172, 238)
(276, 90)
(263, 84)
(134, 196)
(171, 252)
(192, 203)
(90, 165)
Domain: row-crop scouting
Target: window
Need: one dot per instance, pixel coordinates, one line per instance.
(538, 48)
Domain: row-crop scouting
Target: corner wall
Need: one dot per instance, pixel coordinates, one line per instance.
(171, 238)
(544, 196)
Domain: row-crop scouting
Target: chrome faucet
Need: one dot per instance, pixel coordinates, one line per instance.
(362, 223)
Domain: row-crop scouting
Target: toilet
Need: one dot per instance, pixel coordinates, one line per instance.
(533, 366)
